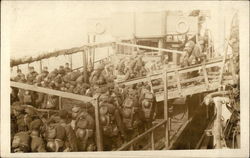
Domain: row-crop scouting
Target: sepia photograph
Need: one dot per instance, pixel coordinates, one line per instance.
(124, 79)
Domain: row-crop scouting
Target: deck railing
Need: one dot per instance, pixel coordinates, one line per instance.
(143, 135)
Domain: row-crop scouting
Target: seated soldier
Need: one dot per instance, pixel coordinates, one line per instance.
(37, 142)
(31, 76)
(67, 68)
(19, 76)
(21, 142)
(70, 137)
(19, 113)
(193, 54)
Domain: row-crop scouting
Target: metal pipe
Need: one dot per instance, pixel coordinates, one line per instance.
(165, 79)
(209, 98)
(85, 66)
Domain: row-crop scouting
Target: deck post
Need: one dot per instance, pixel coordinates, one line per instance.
(85, 66)
(93, 51)
(70, 61)
(160, 45)
(41, 66)
(60, 103)
(165, 80)
(99, 138)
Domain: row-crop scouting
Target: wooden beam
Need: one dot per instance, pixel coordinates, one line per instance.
(51, 91)
(150, 48)
(15, 62)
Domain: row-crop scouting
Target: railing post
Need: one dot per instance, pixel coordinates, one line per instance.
(60, 103)
(84, 66)
(41, 66)
(152, 141)
(99, 139)
(70, 61)
(165, 80)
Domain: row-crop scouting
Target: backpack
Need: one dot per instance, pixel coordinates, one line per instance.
(147, 105)
(107, 120)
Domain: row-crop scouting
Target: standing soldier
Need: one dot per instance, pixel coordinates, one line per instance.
(84, 128)
(148, 107)
(130, 114)
(70, 139)
(111, 123)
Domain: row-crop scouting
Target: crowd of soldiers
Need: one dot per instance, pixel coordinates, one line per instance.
(124, 111)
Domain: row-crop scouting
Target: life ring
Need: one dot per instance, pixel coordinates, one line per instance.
(182, 26)
(99, 28)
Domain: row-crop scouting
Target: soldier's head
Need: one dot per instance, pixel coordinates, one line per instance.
(35, 125)
(31, 69)
(189, 46)
(75, 110)
(19, 71)
(63, 114)
(104, 98)
(66, 65)
(18, 110)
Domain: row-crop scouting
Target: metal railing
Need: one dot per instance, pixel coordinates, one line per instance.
(143, 135)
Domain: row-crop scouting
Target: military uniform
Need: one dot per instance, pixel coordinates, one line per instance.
(148, 108)
(21, 142)
(193, 54)
(111, 123)
(70, 137)
(19, 115)
(130, 114)
(84, 129)
(37, 142)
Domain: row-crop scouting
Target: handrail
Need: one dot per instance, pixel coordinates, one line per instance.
(171, 72)
(51, 91)
(151, 48)
(131, 142)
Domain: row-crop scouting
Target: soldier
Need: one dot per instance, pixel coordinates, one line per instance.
(55, 136)
(111, 123)
(84, 128)
(67, 68)
(31, 76)
(70, 139)
(61, 70)
(97, 77)
(21, 142)
(19, 115)
(37, 142)
(19, 76)
(193, 54)
(148, 107)
(130, 114)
